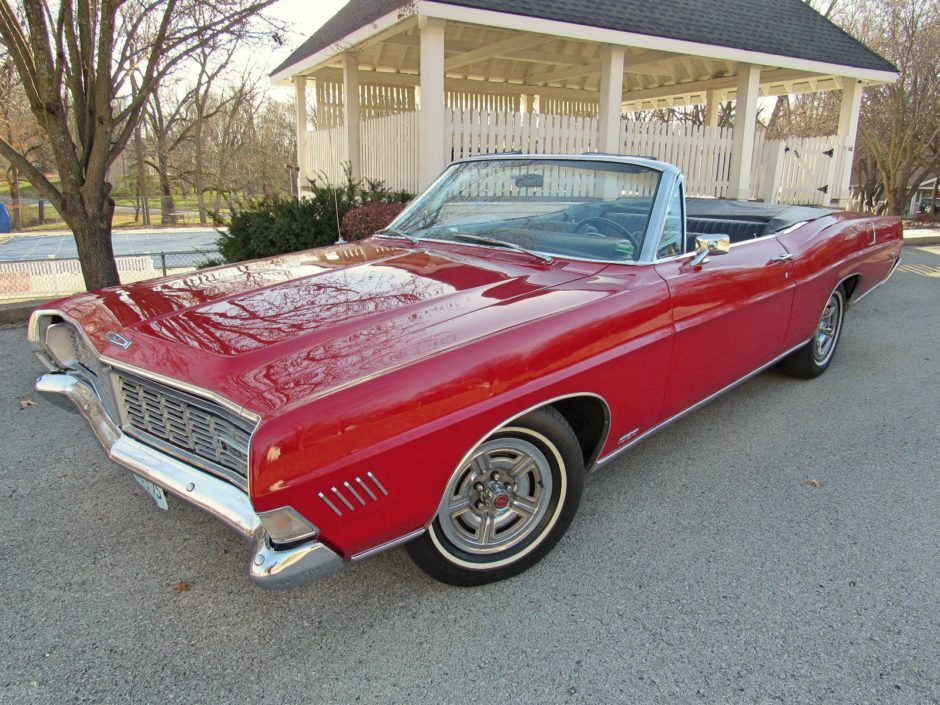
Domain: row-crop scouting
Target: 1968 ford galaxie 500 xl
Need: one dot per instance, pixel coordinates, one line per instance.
(448, 382)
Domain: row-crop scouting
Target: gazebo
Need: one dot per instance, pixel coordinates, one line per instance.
(402, 89)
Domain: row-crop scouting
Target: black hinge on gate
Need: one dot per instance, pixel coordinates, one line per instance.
(829, 152)
(823, 189)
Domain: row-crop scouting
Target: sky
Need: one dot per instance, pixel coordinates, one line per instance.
(303, 18)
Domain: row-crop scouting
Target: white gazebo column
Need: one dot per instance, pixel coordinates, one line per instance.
(611, 97)
(848, 128)
(745, 121)
(351, 113)
(300, 108)
(712, 108)
(431, 115)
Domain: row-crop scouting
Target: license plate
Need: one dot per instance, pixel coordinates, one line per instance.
(155, 491)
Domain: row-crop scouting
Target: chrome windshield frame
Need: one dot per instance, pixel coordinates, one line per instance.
(669, 177)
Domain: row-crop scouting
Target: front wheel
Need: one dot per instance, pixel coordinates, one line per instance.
(507, 505)
(813, 359)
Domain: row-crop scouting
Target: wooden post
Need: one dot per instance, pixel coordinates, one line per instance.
(742, 140)
(848, 130)
(300, 110)
(351, 113)
(712, 108)
(611, 95)
(431, 159)
(773, 170)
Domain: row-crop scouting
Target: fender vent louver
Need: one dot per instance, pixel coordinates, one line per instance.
(357, 493)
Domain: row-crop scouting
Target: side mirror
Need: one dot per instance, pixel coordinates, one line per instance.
(706, 245)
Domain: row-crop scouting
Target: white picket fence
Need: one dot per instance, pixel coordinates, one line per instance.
(474, 132)
(790, 171)
(58, 277)
(327, 153)
(390, 150)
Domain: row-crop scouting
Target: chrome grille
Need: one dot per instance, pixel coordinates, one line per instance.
(200, 431)
(83, 356)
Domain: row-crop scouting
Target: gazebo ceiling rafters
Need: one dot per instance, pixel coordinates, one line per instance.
(492, 60)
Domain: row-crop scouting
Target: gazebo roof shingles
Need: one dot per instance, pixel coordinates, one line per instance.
(787, 28)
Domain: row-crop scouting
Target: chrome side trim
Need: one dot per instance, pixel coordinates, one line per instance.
(613, 454)
(351, 489)
(894, 267)
(377, 483)
(387, 545)
(367, 490)
(330, 504)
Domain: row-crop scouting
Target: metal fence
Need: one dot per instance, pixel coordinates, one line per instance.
(30, 279)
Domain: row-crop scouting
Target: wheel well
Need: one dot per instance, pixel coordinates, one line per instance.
(589, 417)
(850, 285)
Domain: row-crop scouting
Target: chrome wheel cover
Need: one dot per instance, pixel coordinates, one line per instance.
(827, 332)
(499, 497)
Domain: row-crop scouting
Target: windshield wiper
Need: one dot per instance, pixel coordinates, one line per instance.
(467, 237)
(395, 232)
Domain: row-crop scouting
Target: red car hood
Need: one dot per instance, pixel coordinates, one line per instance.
(269, 333)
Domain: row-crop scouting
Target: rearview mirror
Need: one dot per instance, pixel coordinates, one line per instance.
(529, 180)
(706, 245)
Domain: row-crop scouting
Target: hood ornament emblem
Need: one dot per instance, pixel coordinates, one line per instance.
(118, 339)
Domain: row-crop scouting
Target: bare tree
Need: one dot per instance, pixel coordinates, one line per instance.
(75, 61)
(19, 128)
(212, 60)
(168, 128)
(900, 121)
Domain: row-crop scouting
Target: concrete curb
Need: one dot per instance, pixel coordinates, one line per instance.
(19, 311)
(922, 240)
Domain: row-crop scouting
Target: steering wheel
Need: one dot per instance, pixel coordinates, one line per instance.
(626, 234)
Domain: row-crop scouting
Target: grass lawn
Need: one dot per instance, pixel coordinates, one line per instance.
(187, 210)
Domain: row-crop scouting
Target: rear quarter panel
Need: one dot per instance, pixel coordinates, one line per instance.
(830, 250)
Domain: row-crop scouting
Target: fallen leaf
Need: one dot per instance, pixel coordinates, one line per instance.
(181, 586)
(812, 483)
(26, 401)
(223, 551)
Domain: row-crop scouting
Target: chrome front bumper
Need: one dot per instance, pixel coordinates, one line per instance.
(271, 567)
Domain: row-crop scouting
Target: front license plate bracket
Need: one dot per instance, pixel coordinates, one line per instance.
(155, 492)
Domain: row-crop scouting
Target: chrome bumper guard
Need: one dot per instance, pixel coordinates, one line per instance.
(271, 567)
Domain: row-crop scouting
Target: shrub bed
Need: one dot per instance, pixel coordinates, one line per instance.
(264, 228)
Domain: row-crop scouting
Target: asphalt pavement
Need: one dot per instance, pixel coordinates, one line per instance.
(781, 545)
(125, 242)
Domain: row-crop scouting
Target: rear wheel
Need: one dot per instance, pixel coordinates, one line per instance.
(508, 505)
(814, 358)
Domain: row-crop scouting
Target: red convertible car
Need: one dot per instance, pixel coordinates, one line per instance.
(449, 382)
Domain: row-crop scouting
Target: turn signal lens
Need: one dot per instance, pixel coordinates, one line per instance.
(286, 525)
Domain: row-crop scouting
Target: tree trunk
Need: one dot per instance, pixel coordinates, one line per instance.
(141, 180)
(199, 180)
(16, 206)
(92, 231)
(167, 206)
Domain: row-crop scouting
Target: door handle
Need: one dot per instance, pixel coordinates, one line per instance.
(785, 257)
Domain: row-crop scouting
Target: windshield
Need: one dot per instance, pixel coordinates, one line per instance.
(567, 208)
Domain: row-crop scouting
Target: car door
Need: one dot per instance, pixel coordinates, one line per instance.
(730, 315)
